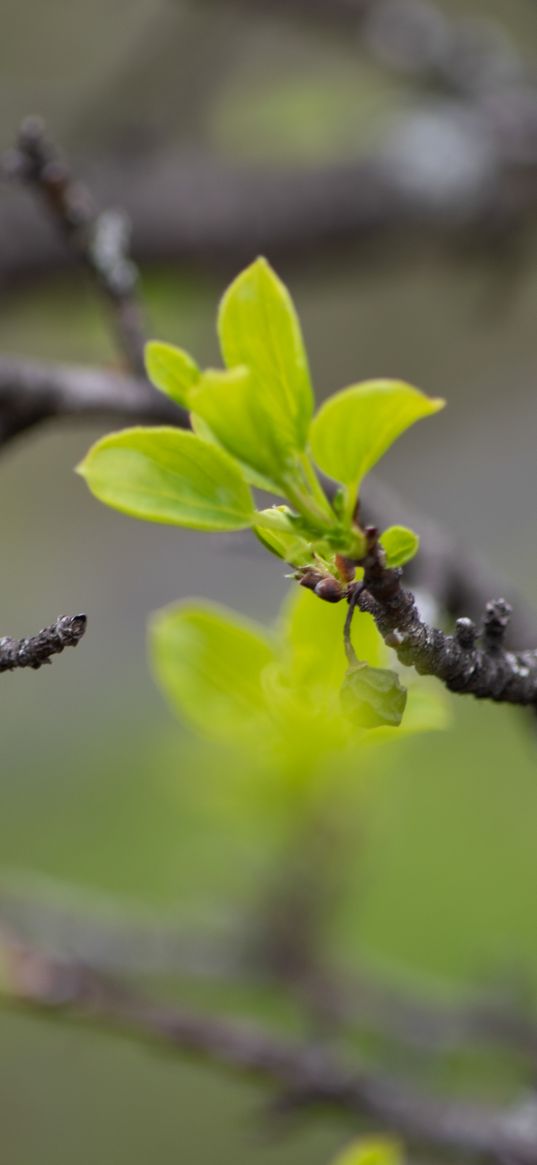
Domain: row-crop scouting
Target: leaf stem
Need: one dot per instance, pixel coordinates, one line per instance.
(314, 485)
(307, 506)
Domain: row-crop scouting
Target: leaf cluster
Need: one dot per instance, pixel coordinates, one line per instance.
(283, 692)
(254, 427)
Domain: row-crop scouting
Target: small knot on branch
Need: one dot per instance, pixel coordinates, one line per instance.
(495, 623)
(466, 633)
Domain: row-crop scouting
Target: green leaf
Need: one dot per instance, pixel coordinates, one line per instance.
(313, 632)
(278, 533)
(354, 428)
(259, 329)
(370, 1151)
(373, 697)
(236, 413)
(399, 544)
(171, 370)
(201, 428)
(167, 475)
(209, 662)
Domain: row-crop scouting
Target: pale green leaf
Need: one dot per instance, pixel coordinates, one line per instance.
(202, 429)
(313, 631)
(399, 544)
(259, 328)
(370, 1151)
(354, 428)
(167, 475)
(171, 370)
(373, 697)
(209, 662)
(278, 533)
(231, 406)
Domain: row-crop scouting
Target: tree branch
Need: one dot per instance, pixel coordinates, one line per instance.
(99, 241)
(313, 1076)
(486, 672)
(38, 649)
(32, 391)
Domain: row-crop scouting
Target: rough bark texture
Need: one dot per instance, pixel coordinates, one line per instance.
(39, 649)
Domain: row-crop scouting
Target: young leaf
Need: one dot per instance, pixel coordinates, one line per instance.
(201, 428)
(259, 328)
(234, 410)
(373, 697)
(209, 662)
(167, 475)
(277, 533)
(171, 370)
(399, 544)
(354, 428)
(313, 632)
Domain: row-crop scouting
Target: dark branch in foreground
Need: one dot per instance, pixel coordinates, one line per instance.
(487, 672)
(99, 240)
(306, 1072)
(38, 649)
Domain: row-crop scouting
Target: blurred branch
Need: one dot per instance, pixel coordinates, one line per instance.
(38, 650)
(100, 241)
(420, 1014)
(462, 55)
(33, 391)
(443, 175)
(459, 169)
(309, 1074)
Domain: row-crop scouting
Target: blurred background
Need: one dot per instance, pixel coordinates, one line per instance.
(384, 157)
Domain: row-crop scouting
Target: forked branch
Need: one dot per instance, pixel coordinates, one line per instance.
(471, 662)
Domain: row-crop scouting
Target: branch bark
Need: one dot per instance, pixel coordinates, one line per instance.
(486, 672)
(39, 649)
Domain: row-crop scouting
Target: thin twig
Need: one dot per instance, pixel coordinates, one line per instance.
(99, 240)
(39, 649)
